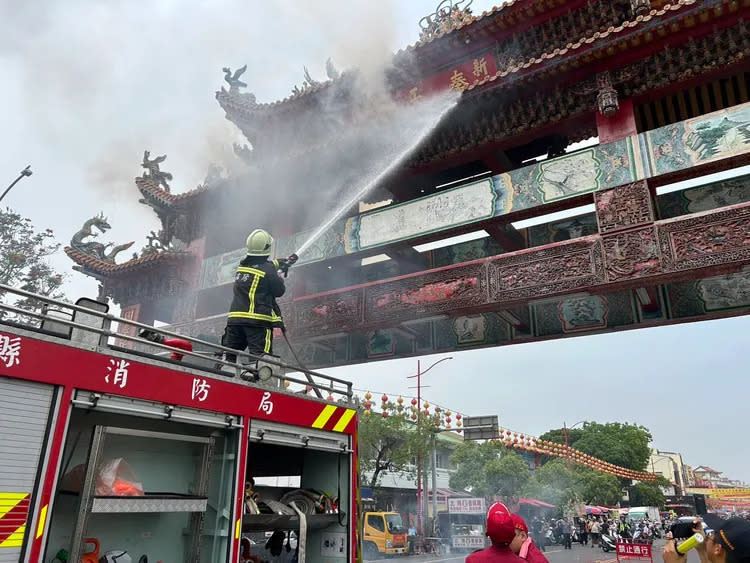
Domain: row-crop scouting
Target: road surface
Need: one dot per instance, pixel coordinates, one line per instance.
(555, 554)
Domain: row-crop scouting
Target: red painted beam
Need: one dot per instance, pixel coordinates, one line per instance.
(691, 247)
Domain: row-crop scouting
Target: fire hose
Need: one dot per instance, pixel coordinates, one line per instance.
(284, 265)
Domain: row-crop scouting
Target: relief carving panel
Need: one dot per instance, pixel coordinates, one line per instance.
(432, 292)
(716, 239)
(631, 254)
(328, 312)
(537, 274)
(624, 207)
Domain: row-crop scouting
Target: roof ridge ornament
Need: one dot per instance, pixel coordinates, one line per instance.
(153, 171)
(234, 79)
(448, 15)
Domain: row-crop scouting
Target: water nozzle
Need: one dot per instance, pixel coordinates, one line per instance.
(287, 263)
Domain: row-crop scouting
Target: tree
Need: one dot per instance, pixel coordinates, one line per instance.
(649, 494)
(384, 444)
(553, 483)
(391, 440)
(507, 475)
(625, 445)
(489, 470)
(23, 258)
(558, 435)
(598, 488)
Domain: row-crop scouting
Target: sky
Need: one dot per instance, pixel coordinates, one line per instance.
(88, 85)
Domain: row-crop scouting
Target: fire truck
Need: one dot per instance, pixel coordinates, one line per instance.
(117, 448)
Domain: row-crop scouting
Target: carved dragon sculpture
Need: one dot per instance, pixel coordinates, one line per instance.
(153, 171)
(93, 248)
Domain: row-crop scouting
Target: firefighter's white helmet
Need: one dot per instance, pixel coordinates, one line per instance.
(259, 243)
(116, 556)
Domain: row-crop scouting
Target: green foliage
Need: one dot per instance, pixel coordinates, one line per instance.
(488, 470)
(393, 442)
(384, 443)
(598, 488)
(23, 257)
(649, 494)
(553, 483)
(558, 436)
(507, 475)
(625, 445)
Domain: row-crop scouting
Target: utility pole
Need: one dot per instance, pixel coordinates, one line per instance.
(25, 172)
(434, 480)
(420, 493)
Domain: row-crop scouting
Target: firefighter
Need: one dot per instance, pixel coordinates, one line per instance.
(254, 312)
(501, 531)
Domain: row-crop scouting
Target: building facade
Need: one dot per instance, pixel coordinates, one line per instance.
(659, 89)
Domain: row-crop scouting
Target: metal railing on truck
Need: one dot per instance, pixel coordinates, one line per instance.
(89, 322)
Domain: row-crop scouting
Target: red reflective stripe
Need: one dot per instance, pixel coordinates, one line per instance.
(14, 519)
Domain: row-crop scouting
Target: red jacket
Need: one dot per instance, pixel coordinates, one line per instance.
(494, 554)
(530, 552)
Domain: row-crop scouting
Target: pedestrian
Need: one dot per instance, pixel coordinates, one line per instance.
(501, 531)
(583, 531)
(595, 531)
(538, 533)
(522, 545)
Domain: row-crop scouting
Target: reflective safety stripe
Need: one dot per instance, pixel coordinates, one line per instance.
(237, 528)
(275, 264)
(254, 271)
(344, 420)
(273, 318)
(267, 347)
(324, 416)
(42, 520)
(251, 293)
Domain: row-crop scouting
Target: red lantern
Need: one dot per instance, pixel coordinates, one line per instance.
(414, 402)
(384, 398)
(458, 417)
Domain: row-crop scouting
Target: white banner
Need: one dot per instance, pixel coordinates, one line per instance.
(471, 542)
(466, 506)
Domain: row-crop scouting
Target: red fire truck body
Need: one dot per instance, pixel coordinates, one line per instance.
(194, 433)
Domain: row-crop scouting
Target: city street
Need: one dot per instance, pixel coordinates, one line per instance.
(555, 554)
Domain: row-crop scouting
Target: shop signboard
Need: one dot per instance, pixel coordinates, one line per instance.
(466, 506)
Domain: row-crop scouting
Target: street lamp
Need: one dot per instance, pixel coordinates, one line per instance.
(419, 375)
(25, 172)
(565, 431)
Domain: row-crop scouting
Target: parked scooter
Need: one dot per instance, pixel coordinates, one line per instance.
(609, 542)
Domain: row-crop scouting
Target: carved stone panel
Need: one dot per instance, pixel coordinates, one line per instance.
(328, 313)
(540, 273)
(631, 254)
(715, 239)
(431, 293)
(624, 207)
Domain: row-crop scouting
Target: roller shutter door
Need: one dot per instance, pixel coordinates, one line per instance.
(24, 411)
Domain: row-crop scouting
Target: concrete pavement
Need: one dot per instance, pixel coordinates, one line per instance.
(555, 554)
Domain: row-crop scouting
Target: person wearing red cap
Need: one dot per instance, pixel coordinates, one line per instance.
(522, 545)
(501, 531)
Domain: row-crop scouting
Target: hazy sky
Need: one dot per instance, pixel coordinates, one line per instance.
(89, 84)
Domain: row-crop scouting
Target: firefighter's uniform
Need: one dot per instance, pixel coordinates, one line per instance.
(254, 312)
